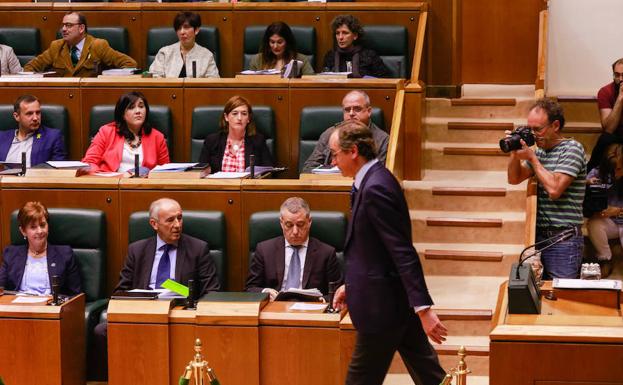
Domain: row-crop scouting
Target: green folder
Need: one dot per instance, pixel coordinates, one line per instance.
(175, 287)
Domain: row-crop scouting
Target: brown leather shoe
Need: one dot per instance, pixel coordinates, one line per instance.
(606, 268)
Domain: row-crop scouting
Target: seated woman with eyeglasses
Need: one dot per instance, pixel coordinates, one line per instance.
(29, 268)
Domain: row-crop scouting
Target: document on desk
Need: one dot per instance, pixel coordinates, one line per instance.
(66, 163)
(603, 284)
(308, 306)
(30, 299)
(229, 175)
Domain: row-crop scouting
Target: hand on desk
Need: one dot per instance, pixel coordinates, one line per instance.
(272, 293)
(339, 298)
(433, 327)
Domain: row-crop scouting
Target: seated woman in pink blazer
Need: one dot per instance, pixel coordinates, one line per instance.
(116, 143)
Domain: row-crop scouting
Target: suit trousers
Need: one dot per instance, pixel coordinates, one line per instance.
(373, 355)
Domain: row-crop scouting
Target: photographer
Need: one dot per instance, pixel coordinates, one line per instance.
(607, 224)
(560, 169)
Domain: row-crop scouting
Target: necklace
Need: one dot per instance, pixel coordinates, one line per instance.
(36, 253)
(136, 145)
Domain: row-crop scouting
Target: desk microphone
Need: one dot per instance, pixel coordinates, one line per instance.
(194, 68)
(23, 164)
(190, 300)
(137, 171)
(55, 288)
(252, 165)
(333, 285)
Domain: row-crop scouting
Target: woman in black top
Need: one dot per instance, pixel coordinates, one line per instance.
(348, 55)
(238, 136)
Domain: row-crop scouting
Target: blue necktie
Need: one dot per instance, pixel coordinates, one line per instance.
(164, 267)
(353, 194)
(294, 271)
(74, 55)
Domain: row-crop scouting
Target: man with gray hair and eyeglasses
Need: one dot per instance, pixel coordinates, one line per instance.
(355, 106)
(294, 260)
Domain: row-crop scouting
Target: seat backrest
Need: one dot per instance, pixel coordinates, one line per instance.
(163, 36)
(305, 37)
(159, 117)
(85, 231)
(205, 121)
(25, 42)
(316, 119)
(208, 226)
(52, 115)
(327, 226)
(117, 37)
(391, 43)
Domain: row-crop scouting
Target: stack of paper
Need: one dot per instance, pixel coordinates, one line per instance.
(326, 170)
(229, 175)
(271, 71)
(119, 72)
(171, 167)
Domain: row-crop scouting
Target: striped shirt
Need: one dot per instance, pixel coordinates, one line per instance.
(566, 158)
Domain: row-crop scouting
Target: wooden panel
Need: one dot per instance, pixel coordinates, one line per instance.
(483, 102)
(459, 255)
(229, 202)
(105, 200)
(33, 16)
(182, 350)
(66, 93)
(348, 335)
(464, 222)
(157, 92)
(470, 191)
(481, 126)
(138, 354)
(73, 342)
(489, 29)
(473, 151)
(414, 137)
(306, 355)
(234, 353)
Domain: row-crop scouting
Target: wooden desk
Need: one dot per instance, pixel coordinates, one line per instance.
(299, 347)
(348, 335)
(42, 344)
(570, 342)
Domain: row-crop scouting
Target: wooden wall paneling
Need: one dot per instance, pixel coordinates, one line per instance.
(166, 92)
(500, 41)
(270, 92)
(181, 349)
(306, 93)
(70, 195)
(218, 15)
(377, 14)
(218, 198)
(52, 91)
(308, 14)
(413, 145)
(31, 15)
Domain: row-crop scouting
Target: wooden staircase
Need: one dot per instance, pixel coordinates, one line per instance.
(468, 222)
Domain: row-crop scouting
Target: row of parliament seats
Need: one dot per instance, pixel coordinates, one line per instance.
(85, 231)
(390, 42)
(205, 120)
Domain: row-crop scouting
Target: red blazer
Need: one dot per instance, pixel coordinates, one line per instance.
(106, 149)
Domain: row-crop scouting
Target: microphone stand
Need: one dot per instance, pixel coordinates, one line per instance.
(562, 236)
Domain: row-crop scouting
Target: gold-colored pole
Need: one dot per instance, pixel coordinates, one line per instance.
(462, 371)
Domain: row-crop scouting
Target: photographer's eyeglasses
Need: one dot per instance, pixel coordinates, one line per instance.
(539, 129)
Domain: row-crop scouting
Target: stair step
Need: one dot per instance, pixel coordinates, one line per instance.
(464, 222)
(434, 265)
(484, 102)
(457, 255)
(480, 126)
(582, 128)
(472, 151)
(470, 191)
(464, 314)
(455, 293)
(474, 345)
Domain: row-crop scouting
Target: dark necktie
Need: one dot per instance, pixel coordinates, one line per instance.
(353, 195)
(74, 55)
(164, 267)
(294, 271)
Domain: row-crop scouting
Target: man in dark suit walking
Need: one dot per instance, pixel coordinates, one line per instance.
(385, 289)
(294, 260)
(151, 261)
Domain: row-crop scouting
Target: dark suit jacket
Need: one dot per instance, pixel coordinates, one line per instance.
(47, 144)
(193, 261)
(61, 262)
(384, 278)
(214, 149)
(58, 58)
(268, 266)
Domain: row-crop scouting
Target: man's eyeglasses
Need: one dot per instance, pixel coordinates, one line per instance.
(69, 25)
(539, 129)
(617, 75)
(356, 109)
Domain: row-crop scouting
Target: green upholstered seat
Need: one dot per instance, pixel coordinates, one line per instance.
(85, 231)
(327, 226)
(391, 43)
(305, 37)
(52, 115)
(208, 226)
(316, 119)
(159, 117)
(25, 42)
(117, 37)
(163, 36)
(205, 121)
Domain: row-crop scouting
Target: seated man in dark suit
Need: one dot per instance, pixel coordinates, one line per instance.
(151, 261)
(78, 54)
(40, 143)
(293, 260)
